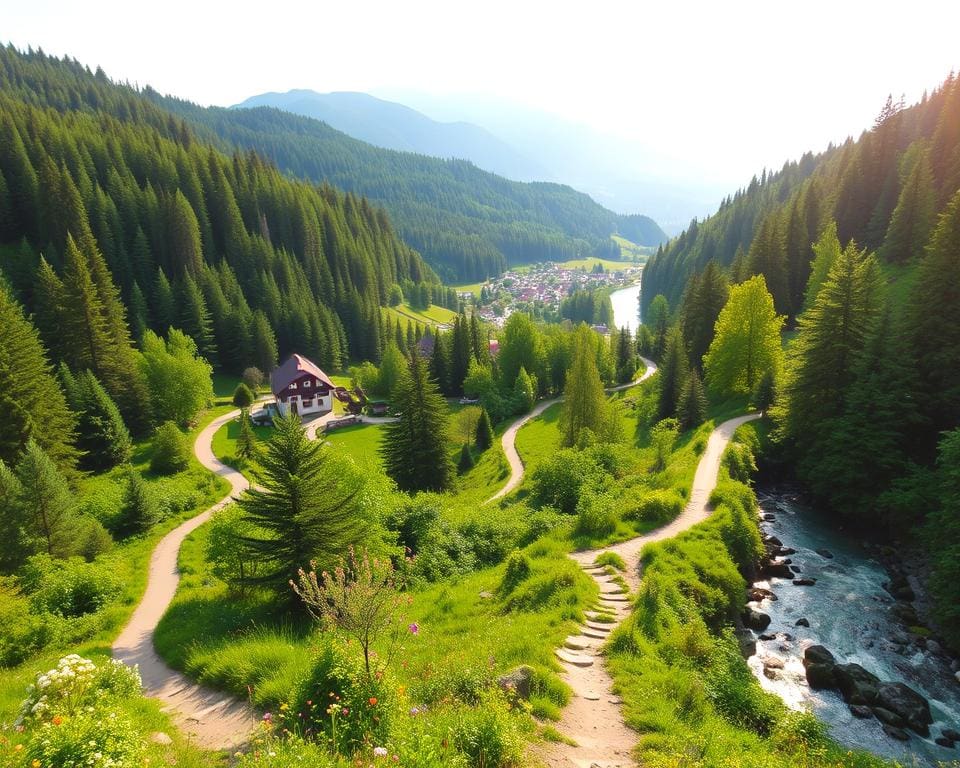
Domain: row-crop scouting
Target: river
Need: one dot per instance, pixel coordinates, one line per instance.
(849, 613)
(626, 307)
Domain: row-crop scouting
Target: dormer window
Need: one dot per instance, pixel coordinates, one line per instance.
(293, 386)
(306, 384)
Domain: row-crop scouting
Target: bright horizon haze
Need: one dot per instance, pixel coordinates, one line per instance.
(719, 93)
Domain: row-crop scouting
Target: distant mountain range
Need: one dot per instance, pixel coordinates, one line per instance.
(516, 142)
(394, 126)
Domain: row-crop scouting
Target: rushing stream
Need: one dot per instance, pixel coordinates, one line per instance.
(849, 612)
(626, 307)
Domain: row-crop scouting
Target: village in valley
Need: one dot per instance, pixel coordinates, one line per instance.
(539, 288)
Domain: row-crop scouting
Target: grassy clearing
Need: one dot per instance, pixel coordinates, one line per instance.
(631, 251)
(473, 288)
(432, 316)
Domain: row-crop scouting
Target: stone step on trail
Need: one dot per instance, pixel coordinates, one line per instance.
(577, 659)
(615, 589)
(596, 614)
(579, 643)
(600, 626)
(595, 633)
(613, 598)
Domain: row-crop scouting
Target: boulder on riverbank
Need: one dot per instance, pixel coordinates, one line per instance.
(819, 664)
(804, 582)
(755, 619)
(777, 570)
(857, 686)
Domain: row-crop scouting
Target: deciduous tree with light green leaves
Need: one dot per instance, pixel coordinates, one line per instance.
(747, 340)
(180, 381)
(584, 404)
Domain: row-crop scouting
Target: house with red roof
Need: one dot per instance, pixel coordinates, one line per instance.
(300, 387)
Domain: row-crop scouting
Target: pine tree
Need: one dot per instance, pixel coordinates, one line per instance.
(673, 374)
(247, 448)
(414, 447)
(584, 404)
(302, 509)
(747, 340)
(934, 320)
(460, 354)
(658, 318)
(692, 408)
(705, 299)
(31, 400)
(138, 509)
(826, 251)
(484, 437)
(768, 257)
(164, 304)
(466, 462)
(524, 391)
(243, 396)
(765, 393)
(626, 358)
(15, 545)
(264, 343)
(440, 363)
(45, 501)
(102, 437)
(914, 216)
(194, 319)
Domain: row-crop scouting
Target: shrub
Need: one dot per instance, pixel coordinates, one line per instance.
(92, 539)
(68, 588)
(612, 559)
(243, 396)
(596, 514)
(653, 506)
(138, 509)
(558, 481)
(171, 450)
(229, 561)
(539, 523)
(739, 463)
(284, 752)
(22, 633)
(518, 568)
(488, 734)
(93, 740)
(342, 705)
(253, 378)
(663, 435)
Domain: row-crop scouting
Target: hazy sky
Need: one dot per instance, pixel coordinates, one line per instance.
(731, 86)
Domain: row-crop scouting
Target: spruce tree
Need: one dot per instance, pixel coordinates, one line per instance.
(658, 319)
(45, 502)
(138, 509)
(701, 308)
(264, 343)
(524, 391)
(466, 463)
(414, 448)
(247, 448)
(102, 437)
(914, 217)
(194, 319)
(243, 396)
(302, 509)
(460, 354)
(164, 304)
(31, 399)
(584, 404)
(692, 409)
(484, 437)
(673, 374)
(626, 358)
(934, 320)
(826, 251)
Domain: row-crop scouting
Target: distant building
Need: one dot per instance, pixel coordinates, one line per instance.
(494, 347)
(301, 387)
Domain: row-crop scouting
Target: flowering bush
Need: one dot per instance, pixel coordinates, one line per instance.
(75, 685)
(339, 703)
(86, 740)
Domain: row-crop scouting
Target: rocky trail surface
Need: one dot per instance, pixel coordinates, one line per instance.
(594, 717)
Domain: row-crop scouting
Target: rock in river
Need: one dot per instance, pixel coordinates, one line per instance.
(907, 703)
(856, 684)
(805, 582)
(802, 622)
(754, 619)
(819, 665)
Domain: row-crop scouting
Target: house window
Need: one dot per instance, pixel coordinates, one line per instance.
(293, 386)
(308, 403)
(306, 383)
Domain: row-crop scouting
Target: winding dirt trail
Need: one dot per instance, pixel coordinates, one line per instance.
(594, 717)
(212, 719)
(509, 439)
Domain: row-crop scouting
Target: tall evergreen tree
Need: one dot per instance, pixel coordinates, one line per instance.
(705, 299)
(263, 342)
(302, 509)
(414, 448)
(45, 502)
(460, 354)
(673, 374)
(31, 400)
(692, 408)
(484, 437)
(658, 319)
(194, 319)
(914, 216)
(826, 251)
(102, 437)
(934, 320)
(138, 509)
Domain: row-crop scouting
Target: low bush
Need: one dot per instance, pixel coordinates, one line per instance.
(341, 705)
(596, 514)
(655, 507)
(22, 633)
(68, 588)
(171, 450)
(612, 559)
(558, 481)
(517, 569)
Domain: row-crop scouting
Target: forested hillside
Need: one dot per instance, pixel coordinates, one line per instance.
(116, 219)
(469, 224)
(860, 251)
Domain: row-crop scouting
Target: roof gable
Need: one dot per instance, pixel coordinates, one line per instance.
(295, 367)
